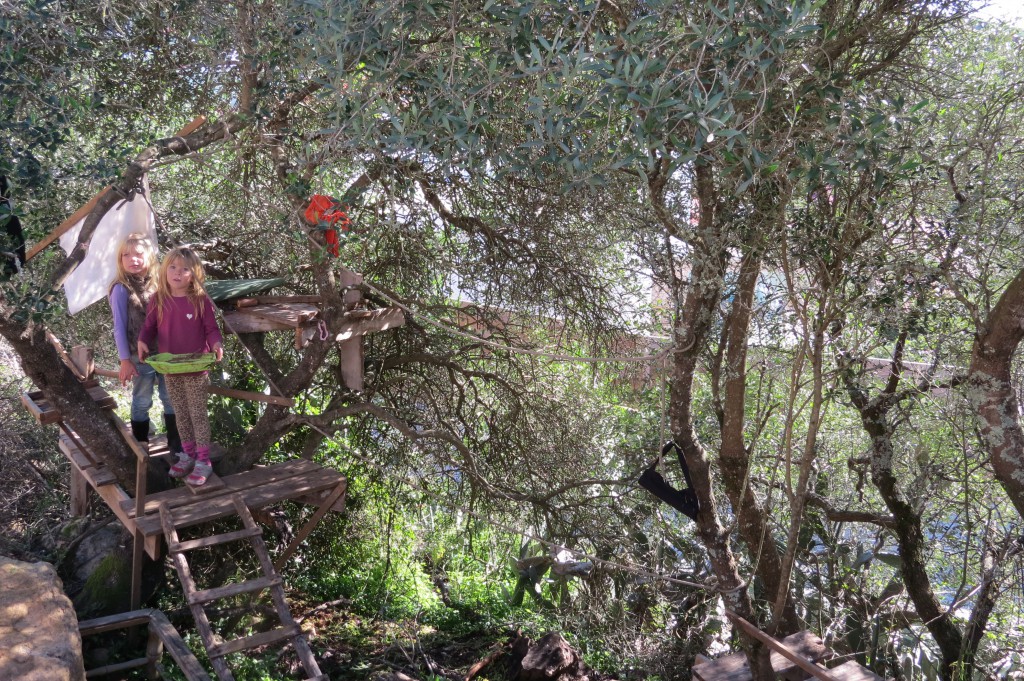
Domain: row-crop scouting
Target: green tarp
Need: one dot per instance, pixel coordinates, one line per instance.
(226, 289)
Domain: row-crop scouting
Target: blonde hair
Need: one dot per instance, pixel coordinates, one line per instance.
(133, 240)
(196, 290)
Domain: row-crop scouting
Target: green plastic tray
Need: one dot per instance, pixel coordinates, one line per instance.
(166, 363)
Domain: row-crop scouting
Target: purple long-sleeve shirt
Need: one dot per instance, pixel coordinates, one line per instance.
(182, 330)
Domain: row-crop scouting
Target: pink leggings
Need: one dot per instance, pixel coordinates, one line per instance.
(188, 395)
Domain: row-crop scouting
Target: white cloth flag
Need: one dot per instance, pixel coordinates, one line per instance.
(92, 278)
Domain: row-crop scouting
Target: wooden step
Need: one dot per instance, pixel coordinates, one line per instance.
(45, 413)
(236, 589)
(206, 542)
(255, 641)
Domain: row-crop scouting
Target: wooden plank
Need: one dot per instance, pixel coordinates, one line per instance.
(220, 506)
(261, 300)
(261, 475)
(213, 485)
(854, 671)
(176, 648)
(350, 280)
(239, 321)
(40, 410)
(350, 361)
(318, 498)
(311, 524)
(102, 397)
(122, 620)
(251, 396)
(235, 589)
(82, 358)
(255, 641)
(734, 667)
(66, 225)
(97, 475)
(359, 323)
(191, 127)
(802, 662)
(215, 540)
(289, 314)
(109, 669)
(78, 488)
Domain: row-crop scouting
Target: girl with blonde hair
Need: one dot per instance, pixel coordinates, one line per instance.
(129, 295)
(182, 320)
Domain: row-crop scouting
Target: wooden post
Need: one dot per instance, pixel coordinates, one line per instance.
(331, 499)
(154, 649)
(78, 486)
(82, 358)
(350, 351)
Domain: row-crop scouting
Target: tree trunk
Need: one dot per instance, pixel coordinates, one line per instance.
(734, 457)
(991, 392)
(706, 282)
(910, 536)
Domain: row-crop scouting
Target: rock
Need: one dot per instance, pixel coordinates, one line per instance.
(551, 658)
(98, 572)
(39, 639)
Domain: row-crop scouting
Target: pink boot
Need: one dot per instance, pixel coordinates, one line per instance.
(186, 461)
(202, 469)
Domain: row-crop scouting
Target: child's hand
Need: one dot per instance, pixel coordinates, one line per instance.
(127, 371)
(143, 351)
(218, 350)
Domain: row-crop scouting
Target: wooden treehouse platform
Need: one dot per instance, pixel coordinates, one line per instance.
(297, 480)
(155, 519)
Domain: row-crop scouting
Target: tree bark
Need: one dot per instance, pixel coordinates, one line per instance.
(734, 457)
(991, 391)
(878, 424)
(700, 300)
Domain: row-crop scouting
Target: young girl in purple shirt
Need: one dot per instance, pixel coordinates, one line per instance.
(182, 320)
(129, 295)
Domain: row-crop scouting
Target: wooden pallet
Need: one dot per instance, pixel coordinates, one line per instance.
(197, 599)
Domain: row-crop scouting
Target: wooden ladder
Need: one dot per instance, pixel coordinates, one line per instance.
(198, 598)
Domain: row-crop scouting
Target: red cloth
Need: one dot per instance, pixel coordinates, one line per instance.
(325, 209)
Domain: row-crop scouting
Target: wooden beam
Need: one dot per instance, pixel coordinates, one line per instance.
(63, 227)
(263, 300)
(326, 506)
(240, 321)
(191, 127)
(817, 671)
(223, 392)
(79, 214)
(362, 322)
(78, 487)
(82, 358)
(251, 396)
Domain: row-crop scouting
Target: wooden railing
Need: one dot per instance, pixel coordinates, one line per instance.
(162, 636)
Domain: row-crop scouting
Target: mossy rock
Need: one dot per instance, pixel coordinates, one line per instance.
(108, 589)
